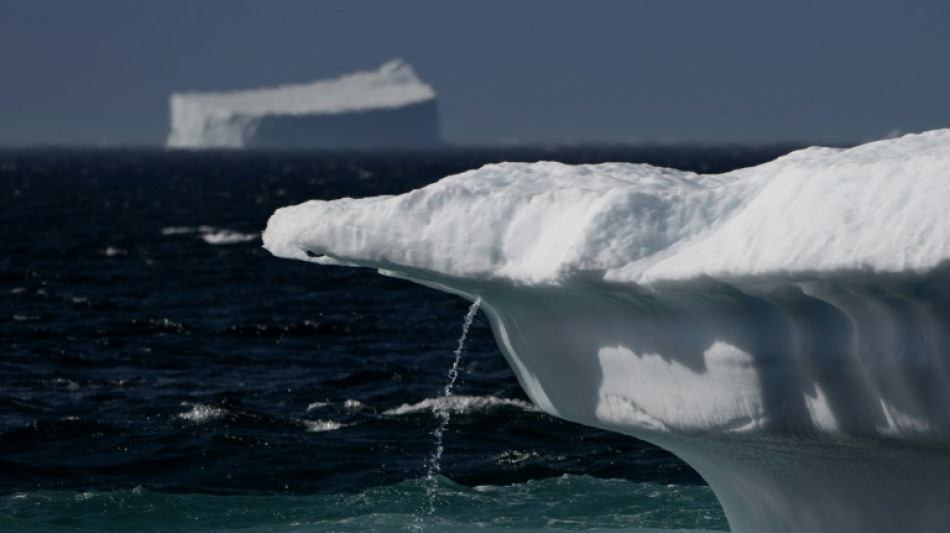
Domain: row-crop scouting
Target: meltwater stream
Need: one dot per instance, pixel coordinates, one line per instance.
(443, 414)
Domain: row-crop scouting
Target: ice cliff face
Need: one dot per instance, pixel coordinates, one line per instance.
(784, 328)
(387, 108)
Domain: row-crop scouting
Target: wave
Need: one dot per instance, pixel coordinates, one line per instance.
(320, 426)
(227, 236)
(211, 234)
(462, 405)
(202, 413)
(113, 251)
(181, 230)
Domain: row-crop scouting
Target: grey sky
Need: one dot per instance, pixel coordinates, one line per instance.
(539, 71)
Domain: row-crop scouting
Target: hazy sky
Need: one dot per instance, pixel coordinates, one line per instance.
(538, 71)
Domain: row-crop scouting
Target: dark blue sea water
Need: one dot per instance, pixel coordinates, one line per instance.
(161, 372)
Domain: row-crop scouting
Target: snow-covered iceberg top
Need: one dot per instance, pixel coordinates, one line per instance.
(392, 85)
(234, 118)
(785, 328)
(820, 212)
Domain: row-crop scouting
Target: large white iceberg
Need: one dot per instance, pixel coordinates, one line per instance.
(386, 108)
(784, 328)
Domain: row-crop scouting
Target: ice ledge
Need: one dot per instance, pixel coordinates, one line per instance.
(785, 329)
(816, 213)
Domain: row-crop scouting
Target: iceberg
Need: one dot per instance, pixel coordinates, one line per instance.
(387, 108)
(784, 328)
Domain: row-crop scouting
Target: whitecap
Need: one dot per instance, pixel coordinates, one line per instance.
(112, 251)
(178, 230)
(319, 426)
(211, 234)
(461, 405)
(201, 413)
(227, 236)
(317, 405)
(354, 405)
(514, 457)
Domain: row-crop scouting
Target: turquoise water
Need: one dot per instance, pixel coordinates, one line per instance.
(563, 503)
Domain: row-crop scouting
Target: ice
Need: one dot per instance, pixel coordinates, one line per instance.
(388, 107)
(784, 328)
(879, 207)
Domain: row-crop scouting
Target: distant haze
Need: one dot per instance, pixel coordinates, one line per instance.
(100, 72)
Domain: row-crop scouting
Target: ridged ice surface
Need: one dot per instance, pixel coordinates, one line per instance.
(818, 212)
(784, 328)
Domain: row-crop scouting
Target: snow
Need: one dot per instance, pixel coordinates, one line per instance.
(548, 222)
(394, 84)
(783, 328)
(232, 119)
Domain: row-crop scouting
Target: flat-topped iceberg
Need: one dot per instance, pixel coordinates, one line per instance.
(784, 328)
(386, 108)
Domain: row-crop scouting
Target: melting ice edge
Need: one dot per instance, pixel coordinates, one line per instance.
(785, 328)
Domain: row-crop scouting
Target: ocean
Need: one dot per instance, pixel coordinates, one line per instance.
(160, 371)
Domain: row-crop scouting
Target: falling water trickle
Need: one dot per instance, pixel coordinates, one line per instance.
(443, 413)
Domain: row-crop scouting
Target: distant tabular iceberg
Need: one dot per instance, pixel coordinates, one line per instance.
(784, 328)
(387, 108)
